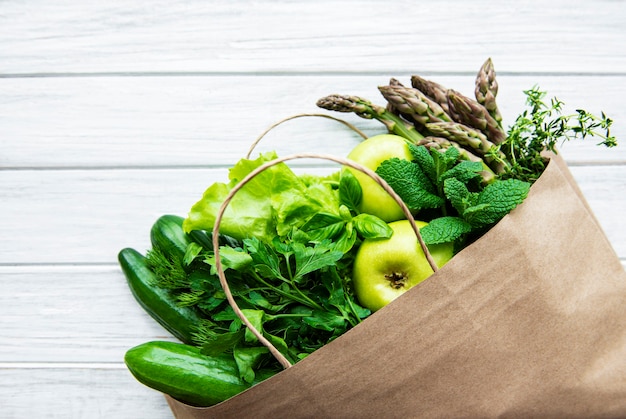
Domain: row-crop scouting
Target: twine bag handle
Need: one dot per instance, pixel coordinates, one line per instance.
(215, 234)
(303, 115)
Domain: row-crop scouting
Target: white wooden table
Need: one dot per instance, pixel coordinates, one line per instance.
(113, 113)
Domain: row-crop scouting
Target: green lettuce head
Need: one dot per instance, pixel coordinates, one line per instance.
(272, 203)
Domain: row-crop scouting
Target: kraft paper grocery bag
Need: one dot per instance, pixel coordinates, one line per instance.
(529, 321)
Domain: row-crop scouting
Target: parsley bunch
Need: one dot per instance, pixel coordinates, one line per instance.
(295, 291)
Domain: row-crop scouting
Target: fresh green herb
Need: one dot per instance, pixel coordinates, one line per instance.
(444, 119)
(439, 181)
(542, 127)
(297, 294)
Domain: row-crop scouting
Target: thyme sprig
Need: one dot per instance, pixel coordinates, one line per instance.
(543, 126)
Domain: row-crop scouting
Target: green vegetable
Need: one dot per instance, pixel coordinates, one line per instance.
(296, 292)
(168, 236)
(463, 205)
(542, 127)
(366, 109)
(185, 374)
(159, 303)
(447, 119)
(413, 104)
(486, 90)
(273, 203)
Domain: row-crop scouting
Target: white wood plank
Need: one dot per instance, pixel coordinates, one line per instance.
(77, 392)
(114, 113)
(70, 314)
(605, 189)
(211, 121)
(244, 36)
(87, 216)
(76, 216)
(80, 315)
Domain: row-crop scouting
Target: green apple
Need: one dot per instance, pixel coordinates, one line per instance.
(371, 153)
(384, 269)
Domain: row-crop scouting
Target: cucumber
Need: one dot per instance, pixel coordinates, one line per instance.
(159, 303)
(168, 236)
(184, 373)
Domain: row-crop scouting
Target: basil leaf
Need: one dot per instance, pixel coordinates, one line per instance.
(350, 192)
(371, 227)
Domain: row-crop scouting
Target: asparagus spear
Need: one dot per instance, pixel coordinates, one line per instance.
(433, 90)
(413, 103)
(368, 110)
(395, 111)
(469, 137)
(486, 90)
(390, 107)
(473, 114)
(462, 134)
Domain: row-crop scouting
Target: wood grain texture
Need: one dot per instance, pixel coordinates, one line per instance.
(77, 392)
(309, 37)
(114, 113)
(79, 216)
(88, 316)
(185, 121)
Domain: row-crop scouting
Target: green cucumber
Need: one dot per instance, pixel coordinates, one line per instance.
(159, 303)
(184, 373)
(168, 236)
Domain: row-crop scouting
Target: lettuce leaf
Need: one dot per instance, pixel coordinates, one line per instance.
(272, 203)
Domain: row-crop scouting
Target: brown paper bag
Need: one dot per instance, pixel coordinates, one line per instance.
(529, 321)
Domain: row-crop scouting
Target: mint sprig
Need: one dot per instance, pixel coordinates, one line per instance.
(451, 189)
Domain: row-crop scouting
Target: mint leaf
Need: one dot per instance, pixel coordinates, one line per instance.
(444, 161)
(476, 214)
(464, 171)
(424, 159)
(444, 230)
(497, 200)
(410, 183)
(457, 193)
